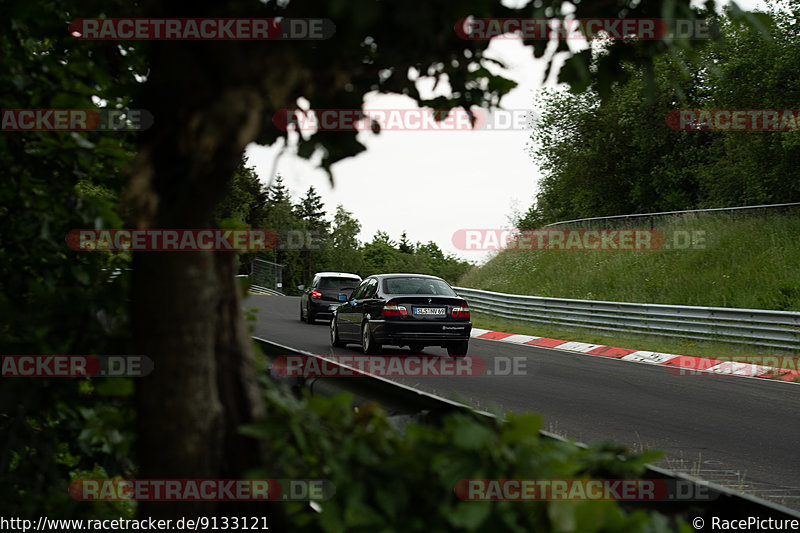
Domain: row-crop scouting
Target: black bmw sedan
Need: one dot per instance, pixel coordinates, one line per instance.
(411, 310)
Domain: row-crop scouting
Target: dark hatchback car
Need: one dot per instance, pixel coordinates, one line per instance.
(327, 291)
(411, 310)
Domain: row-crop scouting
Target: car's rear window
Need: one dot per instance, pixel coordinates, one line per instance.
(338, 283)
(428, 286)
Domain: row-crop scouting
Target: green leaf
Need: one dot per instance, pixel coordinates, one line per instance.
(469, 516)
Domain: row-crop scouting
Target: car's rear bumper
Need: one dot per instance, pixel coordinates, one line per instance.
(428, 333)
(321, 309)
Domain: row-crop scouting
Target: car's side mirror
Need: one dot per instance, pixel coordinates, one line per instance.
(301, 287)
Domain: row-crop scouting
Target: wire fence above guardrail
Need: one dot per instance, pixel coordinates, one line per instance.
(757, 327)
(651, 218)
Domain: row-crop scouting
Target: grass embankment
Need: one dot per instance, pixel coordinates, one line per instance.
(743, 261)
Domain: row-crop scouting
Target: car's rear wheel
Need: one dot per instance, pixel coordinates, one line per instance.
(310, 316)
(368, 344)
(302, 316)
(416, 348)
(457, 349)
(335, 340)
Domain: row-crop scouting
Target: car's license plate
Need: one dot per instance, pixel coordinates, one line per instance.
(342, 297)
(429, 311)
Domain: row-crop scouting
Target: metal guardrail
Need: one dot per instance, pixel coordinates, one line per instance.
(256, 289)
(395, 398)
(652, 216)
(761, 327)
(402, 400)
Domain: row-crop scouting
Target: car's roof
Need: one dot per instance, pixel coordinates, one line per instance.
(337, 275)
(404, 275)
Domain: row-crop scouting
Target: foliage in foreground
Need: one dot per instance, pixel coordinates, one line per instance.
(386, 480)
(61, 430)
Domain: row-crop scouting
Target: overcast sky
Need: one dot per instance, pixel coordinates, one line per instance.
(431, 183)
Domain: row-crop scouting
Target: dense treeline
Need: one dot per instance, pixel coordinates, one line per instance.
(310, 241)
(617, 155)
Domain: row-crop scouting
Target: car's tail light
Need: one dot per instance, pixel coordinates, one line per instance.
(316, 294)
(392, 309)
(461, 312)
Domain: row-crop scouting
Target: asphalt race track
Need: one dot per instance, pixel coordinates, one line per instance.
(738, 432)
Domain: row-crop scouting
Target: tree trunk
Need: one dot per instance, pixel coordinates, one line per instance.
(186, 307)
(180, 429)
